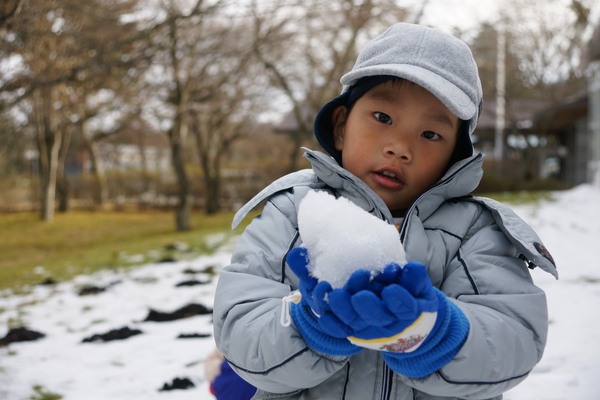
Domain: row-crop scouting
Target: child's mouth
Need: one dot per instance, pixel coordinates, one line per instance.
(389, 175)
(388, 179)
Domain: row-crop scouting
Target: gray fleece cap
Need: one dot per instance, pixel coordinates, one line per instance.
(437, 61)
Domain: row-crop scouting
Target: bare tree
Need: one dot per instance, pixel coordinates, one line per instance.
(176, 52)
(40, 49)
(548, 40)
(214, 135)
(49, 132)
(307, 46)
(205, 57)
(221, 121)
(60, 46)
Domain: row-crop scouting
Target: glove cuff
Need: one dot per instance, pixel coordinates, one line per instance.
(409, 340)
(438, 349)
(315, 337)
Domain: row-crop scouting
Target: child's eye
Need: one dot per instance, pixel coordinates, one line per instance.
(384, 118)
(430, 135)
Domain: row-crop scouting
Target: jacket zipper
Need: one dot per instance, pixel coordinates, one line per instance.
(386, 389)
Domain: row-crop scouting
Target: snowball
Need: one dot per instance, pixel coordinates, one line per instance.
(341, 237)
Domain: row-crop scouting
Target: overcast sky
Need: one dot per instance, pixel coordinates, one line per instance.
(465, 14)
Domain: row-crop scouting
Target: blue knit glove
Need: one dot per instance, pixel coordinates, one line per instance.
(394, 316)
(400, 313)
(312, 307)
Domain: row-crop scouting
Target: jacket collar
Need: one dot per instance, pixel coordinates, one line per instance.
(460, 180)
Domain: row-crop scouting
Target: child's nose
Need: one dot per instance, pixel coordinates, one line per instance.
(398, 149)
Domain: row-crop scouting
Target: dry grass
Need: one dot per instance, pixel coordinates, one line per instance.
(83, 242)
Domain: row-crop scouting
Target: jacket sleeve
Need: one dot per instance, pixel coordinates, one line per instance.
(248, 307)
(507, 314)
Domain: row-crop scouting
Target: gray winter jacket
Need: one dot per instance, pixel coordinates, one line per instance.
(476, 251)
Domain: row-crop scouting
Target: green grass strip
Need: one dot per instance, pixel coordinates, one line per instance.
(84, 242)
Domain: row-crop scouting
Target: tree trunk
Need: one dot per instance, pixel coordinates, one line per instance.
(213, 192)
(63, 186)
(184, 206)
(49, 141)
(100, 192)
(101, 189)
(177, 135)
(298, 137)
(63, 192)
(210, 161)
(144, 158)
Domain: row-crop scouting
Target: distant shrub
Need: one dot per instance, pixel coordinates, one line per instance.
(493, 182)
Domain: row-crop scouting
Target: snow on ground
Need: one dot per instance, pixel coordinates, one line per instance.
(133, 368)
(137, 367)
(570, 229)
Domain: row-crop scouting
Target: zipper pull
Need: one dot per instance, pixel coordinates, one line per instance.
(294, 297)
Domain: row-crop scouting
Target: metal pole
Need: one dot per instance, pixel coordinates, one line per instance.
(594, 124)
(500, 94)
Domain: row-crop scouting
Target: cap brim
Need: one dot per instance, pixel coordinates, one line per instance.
(457, 101)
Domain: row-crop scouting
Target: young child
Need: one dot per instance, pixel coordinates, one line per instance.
(463, 319)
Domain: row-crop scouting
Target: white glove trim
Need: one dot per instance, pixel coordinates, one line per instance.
(406, 341)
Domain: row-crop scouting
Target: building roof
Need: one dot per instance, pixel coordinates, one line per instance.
(559, 118)
(520, 113)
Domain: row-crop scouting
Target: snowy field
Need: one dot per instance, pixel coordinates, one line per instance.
(139, 366)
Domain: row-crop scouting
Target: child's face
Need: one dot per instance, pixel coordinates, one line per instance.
(398, 138)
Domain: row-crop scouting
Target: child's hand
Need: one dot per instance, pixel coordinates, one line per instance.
(313, 292)
(395, 311)
(313, 308)
(346, 322)
(401, 314)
